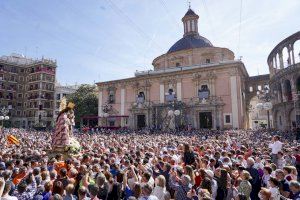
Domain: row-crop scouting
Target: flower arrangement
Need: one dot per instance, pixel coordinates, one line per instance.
(74, 146)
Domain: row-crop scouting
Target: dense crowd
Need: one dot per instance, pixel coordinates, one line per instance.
(221, 165)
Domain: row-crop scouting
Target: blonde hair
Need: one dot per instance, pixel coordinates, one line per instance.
(161, 181)
(190, 172)
(247, 175)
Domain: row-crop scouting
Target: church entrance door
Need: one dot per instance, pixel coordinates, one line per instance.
(141, 121)
(205, 120)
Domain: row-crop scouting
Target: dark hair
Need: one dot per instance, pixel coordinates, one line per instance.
(288, 169)
(206, 184)
(120, 177)
(187, 148)
(137, 190)
(48, 186)
(22, 187)
(58, 188)
(274, 180)
(82, 191)
(63, 172)
(147, 175)
(268, 169)
(242, 196)
(94, 189)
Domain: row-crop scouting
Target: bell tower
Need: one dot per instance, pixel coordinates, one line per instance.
(190, 22)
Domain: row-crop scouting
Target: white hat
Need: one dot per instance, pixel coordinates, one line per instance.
(209, 173)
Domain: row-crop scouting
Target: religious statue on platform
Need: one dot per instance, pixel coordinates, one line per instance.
(62, 138)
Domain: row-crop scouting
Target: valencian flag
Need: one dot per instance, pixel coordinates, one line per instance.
(12, 140)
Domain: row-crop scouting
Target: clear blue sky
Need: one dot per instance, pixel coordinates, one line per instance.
(100, 40)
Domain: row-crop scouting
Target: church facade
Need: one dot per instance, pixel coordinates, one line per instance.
(193, 85)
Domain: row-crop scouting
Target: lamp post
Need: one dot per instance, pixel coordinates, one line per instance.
(4, 115)
(106, 108)
(265, 96)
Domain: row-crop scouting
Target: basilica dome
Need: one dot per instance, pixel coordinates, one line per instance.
(191, 38)
(190, 42)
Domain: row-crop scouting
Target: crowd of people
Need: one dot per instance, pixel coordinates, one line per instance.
(189, 165)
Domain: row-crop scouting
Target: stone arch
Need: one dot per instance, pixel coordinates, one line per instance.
(285, 57)
(288, 90)
(297, 84)
(297, 51)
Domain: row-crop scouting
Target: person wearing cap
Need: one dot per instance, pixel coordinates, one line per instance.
(214, 185)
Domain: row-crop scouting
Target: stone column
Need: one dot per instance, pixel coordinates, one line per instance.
(281, 60)
(100, 111)
(214, 120)
(293, 55)
(289, 58)
(122, 106)
(234, 102)
(293, 88)
(178, 87)
(283, 92)
(161, 92)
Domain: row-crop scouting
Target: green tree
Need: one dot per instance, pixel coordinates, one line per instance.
(86, 102)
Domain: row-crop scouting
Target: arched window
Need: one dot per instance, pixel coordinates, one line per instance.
(170, 91)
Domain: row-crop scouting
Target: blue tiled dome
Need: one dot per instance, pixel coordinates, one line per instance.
(190, 42)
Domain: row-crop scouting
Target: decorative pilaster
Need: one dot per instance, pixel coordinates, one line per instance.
(234, 101)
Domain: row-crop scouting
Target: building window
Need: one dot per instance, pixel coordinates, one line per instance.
(227, 118)
(207, 60)
(177, 64)
(280, 121)
(251, 89)
(57, 96)
(259, 87)
(111, 97)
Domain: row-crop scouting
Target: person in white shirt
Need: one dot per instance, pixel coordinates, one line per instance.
(160, 188)
(275, 146)
(274, 188)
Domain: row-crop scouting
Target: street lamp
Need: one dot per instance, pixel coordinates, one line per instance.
(4, 115)
(267, 105)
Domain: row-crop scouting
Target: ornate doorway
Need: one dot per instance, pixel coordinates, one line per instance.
(141, 121)
(205, 120)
